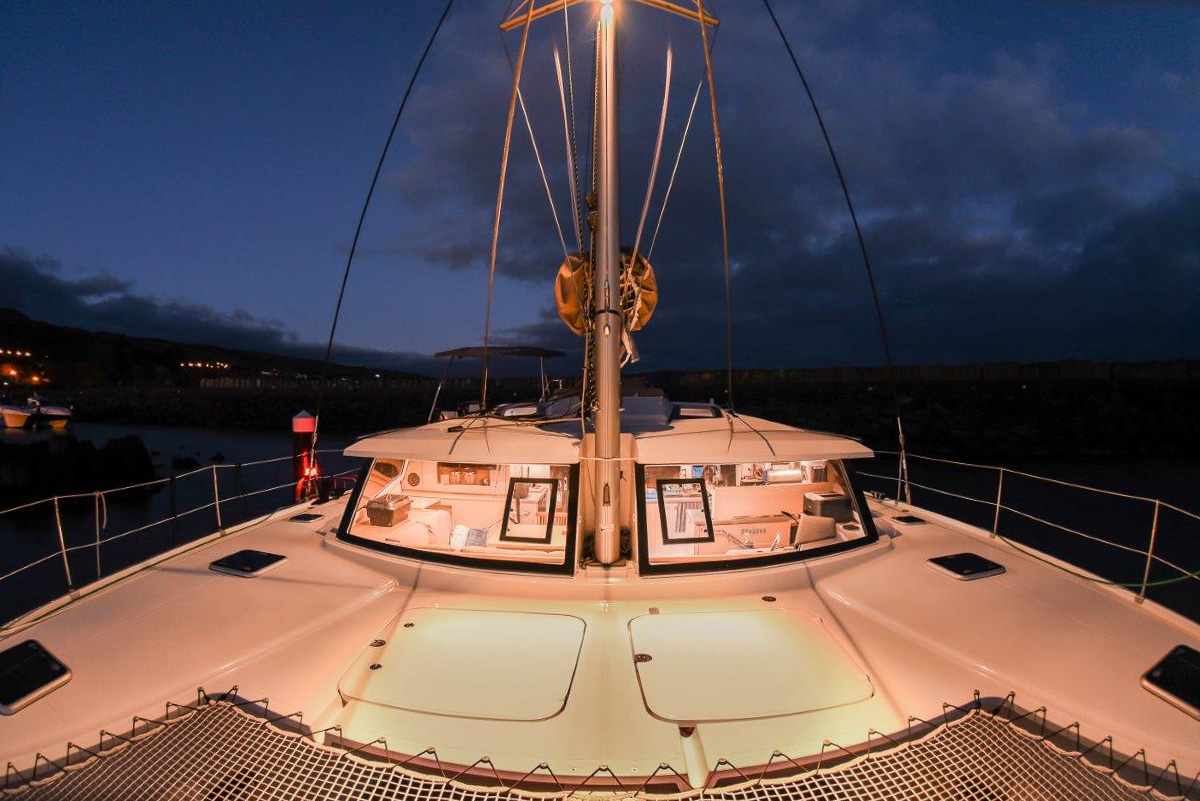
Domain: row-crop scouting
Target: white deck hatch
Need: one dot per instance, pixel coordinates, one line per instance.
(470, 663)
(715, 666)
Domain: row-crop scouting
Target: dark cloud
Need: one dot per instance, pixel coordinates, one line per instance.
(38, 287)
(1007, 218)
(1006, 221)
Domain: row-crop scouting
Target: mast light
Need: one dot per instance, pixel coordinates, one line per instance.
(521, 13)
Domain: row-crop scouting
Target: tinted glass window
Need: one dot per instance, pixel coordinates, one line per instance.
(700, 513)
(516, 513)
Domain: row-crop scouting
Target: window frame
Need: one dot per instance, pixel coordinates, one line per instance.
(551, 508)
(662, 511)
(564, 568)
(717, 565)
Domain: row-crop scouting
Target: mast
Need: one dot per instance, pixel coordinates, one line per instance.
(600, 502)
(606, 308)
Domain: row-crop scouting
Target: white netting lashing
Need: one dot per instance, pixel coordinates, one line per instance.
(218, 751)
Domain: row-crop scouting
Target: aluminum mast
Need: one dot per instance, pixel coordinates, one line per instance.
(602, 471)
(606, 307)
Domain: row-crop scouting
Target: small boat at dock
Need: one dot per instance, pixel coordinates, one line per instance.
(14, 415)
(49, 414)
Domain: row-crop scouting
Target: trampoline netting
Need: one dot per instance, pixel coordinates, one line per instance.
(218, 751)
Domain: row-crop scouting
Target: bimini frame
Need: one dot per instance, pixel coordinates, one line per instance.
(517, 351)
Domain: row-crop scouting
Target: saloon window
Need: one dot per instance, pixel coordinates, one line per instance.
(700, 516)
(517, 516)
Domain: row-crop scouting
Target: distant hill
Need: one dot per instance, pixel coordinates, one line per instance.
(75, 357)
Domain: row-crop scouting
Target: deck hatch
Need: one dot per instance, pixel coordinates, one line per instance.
(27, 672)
(1176, 679)
(716, 666)
(490, 665)
(247, 563)
(967, 566)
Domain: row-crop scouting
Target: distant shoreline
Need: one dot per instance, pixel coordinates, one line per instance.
(959, 419)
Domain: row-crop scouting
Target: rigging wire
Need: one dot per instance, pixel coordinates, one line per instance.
(862, 242)
(662, 212)
(491, 284)
(571, 98)
(588, 395)
(712, 96)
(570, 148)
(362, 216)
(662, 126)
(687, 128)
(537, 154)
(593, 121)
(630, 319)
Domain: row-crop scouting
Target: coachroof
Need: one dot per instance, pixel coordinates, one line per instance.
(728, 439)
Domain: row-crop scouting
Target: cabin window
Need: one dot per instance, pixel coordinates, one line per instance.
(517, 516)
(701, 516)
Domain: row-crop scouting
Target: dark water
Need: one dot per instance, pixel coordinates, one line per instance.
(165, 442)
(32, 534)
(163, 512)
(1033, 505)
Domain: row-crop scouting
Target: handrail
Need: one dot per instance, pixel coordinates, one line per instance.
(998, 505)
(176, 477)
(1071, 484)
(99, 513)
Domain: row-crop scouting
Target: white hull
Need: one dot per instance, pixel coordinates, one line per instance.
(601, 588)
(302, 637)
(15, 418)
(54, 417)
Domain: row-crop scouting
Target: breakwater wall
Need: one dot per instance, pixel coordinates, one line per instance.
(1064, 409)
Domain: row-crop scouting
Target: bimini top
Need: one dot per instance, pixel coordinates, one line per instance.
(725, 438)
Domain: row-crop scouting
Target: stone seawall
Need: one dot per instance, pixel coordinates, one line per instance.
(1046, 417)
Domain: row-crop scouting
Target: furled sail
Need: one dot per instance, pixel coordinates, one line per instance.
(639, 292)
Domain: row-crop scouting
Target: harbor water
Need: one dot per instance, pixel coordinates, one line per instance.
(250, 471)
